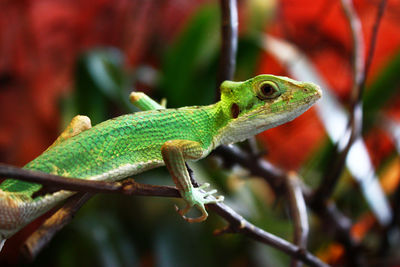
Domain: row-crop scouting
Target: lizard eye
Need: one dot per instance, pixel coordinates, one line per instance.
(268, 90)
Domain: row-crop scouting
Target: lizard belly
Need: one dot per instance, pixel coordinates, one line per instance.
(126, 170)
(17, 210)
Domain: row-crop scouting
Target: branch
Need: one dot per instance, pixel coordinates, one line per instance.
(358, 60)
(332, 175)
(373, 40)
(298, 212)
(353, 131)
(360, 70)
(274, 176)
(43, 235)
(229, 32)
(35, 243)
(237, 224)
(56, 183)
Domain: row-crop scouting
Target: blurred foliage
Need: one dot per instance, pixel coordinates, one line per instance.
(100, 78)
(114, 230)
(191, 61)
(382, 90)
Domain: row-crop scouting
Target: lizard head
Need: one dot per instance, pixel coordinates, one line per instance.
(262, 102)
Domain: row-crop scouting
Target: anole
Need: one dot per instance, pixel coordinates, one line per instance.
(121, 147)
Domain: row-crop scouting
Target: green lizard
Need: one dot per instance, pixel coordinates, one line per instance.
(130, 144)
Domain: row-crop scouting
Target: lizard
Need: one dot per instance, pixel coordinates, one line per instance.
(130, 144)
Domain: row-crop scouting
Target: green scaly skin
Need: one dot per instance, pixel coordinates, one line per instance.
(131, 144)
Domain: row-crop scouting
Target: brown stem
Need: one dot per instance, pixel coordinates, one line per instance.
(353, 131)
(373, 41)
(334, 220)
(229, 32)
(43, 235)
(55, 183)
(237, 224)
(34, 244)
(298, 213)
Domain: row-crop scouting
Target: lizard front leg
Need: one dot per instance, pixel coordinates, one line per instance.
(174, 154)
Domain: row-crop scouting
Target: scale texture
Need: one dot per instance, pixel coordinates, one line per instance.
(130, 144)
(131, 139)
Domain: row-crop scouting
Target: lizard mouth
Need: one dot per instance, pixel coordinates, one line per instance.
(293, 106)
(292, 110)
(319, 92)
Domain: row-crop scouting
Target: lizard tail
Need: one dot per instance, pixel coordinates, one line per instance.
(17, 210)
(11, 216)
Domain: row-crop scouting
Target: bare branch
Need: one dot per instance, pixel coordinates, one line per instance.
(43, 235)
(332, 175)
(237, 224)
(358, 61)
(274, 176)
(360, 69)
(372, 42)
(298, 212)
(35, 243)
(55, 183)
(229, 32)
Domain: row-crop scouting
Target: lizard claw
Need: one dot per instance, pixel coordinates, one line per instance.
(199, 198)
(201, 218)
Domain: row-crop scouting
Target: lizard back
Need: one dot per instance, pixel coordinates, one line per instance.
(123, 146)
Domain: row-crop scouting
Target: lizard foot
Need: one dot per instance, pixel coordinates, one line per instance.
(198, 197)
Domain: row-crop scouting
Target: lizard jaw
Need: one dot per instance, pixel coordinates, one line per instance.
(264, 119)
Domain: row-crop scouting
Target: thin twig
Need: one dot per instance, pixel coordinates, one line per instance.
(358, 60)
(373, 41)
(43, 235)
(229, 32)
(275, 176)
(360, 70)
(353, 131)
(298, 213)
(237, 224)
